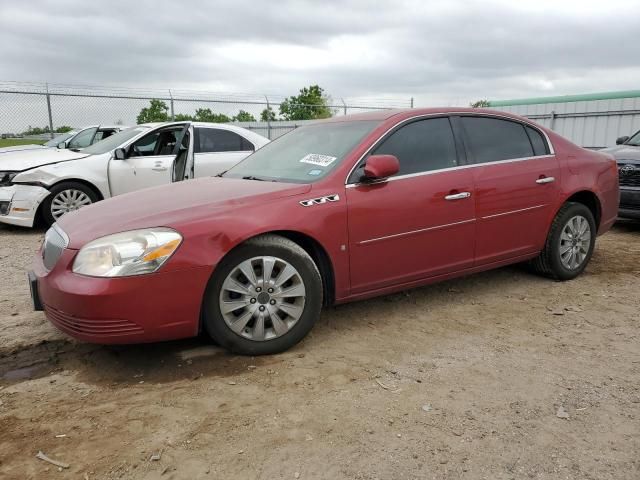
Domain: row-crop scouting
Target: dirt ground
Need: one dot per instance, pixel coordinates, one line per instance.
(467, 379)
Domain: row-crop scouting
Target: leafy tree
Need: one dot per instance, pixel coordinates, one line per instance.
(157, 111)
(480, 104)
(183, 117)
(36, 130)
(267, 115)
(310, 103)
(206, 115)
(63, 129)
(243, 116)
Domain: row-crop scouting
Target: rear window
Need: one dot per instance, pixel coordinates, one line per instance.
(493, 139)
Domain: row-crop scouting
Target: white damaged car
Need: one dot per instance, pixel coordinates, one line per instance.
(48, 183)
(75, 139)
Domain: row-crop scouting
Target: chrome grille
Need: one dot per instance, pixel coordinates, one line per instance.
(55, 241)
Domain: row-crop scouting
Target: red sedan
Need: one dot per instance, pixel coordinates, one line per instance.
(341, 210)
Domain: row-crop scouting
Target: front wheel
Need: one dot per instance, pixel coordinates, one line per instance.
(66, 197)
(264, 297)
(569, 245)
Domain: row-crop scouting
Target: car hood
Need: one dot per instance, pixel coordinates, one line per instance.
(36, 157)
(19, 148)
(623, 152)
(170, 206)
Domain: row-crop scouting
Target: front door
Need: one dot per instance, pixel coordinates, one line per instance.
(419, 223)
(516, 182)
(150, 160)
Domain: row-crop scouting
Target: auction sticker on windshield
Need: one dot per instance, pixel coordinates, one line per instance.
(317, 159)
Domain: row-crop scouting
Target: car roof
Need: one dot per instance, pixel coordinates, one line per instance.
(382, 115)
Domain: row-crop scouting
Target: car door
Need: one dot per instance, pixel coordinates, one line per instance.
(150, 160)
(419, 223)
(517, 179)
(217, 150)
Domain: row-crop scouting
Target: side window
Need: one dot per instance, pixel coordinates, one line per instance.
(493, 139)
(83, 139)
(539, 144)
(102, 134)
(160, 142)
(421, 146)
(214, 140)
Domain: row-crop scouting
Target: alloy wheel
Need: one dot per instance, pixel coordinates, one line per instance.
(575, 241)
(262, 298)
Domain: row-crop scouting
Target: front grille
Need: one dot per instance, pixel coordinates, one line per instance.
(4, 208)
(55, 241)
(87, 326)
(629, 175)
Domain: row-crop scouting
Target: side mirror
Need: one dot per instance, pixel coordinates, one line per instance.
(62, 145)
(379, 167)
(119, 154)
(621, 140)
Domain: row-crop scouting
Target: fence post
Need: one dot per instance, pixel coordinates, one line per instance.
(268, 118)
(49, 111)
(345, 105)
(553, 119)
(173, 116)
(411, 102)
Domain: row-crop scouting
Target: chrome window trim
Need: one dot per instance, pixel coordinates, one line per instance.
(421, 230)
(441, 170)
(448, 114)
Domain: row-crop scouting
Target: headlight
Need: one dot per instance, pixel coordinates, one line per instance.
(128, 253)
(6, 178)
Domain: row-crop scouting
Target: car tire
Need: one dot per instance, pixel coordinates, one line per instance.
(264, 297)
(565, 254)
(72, 194)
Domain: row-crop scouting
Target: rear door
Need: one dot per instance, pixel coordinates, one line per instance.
(419, 223)
(517, 180)
(217, 150)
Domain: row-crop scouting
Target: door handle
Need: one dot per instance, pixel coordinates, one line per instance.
(543, 180)
(159, 169)
(458, 196)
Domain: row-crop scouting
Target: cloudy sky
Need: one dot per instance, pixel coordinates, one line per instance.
(438, 52)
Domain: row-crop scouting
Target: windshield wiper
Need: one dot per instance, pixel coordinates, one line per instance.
(221, 174)
(251, 177)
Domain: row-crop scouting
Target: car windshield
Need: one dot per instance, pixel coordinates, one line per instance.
(634, 140)
(60, 138)
(114, 141)
(304, 155)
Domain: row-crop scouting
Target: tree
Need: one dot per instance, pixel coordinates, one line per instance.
(206, 115)
(63, 129)
(36, 130)
(310, 103)
(267, 115)
(480, 104)
(157, 111)
(183, 117)
(243, 116)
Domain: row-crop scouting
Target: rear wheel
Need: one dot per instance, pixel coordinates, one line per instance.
(66, 197)
(569, 245)
(264, 297)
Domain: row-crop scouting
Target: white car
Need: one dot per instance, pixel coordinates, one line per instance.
(52, 182)
(76, 139)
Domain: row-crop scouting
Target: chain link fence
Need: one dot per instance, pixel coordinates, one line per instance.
(40, 108)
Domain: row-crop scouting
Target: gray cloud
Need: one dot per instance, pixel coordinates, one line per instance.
(439, 52)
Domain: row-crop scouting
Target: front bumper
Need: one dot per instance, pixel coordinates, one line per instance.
(629, 202)
(146, 308)
(19, 204)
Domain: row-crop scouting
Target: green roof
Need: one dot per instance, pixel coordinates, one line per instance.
(566, 98)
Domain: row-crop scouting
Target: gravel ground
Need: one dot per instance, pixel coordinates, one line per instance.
(501, 375)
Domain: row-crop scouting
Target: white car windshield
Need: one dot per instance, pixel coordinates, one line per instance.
(114, 141)
(60, 138)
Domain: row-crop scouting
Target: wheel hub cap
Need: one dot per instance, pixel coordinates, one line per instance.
(575, 241)
(262, 298)
(68, 201)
